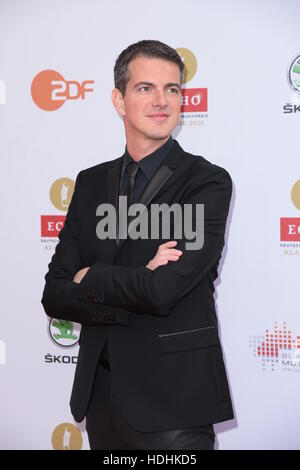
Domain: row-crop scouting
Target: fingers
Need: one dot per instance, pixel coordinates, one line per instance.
(168, 244)
(165, 253)
(168, 255)
(171, 251)
(173, 257)
(168, 247)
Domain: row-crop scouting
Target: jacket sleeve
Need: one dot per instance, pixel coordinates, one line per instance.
(142, 290)
(61, 295)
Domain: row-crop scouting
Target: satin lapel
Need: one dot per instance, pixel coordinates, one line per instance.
(159, 179)
(164, 172)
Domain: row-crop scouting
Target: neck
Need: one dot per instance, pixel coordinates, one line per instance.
(140, 148)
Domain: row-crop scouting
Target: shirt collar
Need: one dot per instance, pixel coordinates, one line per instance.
(150, 163)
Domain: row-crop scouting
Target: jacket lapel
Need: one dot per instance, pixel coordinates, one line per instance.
(164, 172)
(113, 177)
(155, 184)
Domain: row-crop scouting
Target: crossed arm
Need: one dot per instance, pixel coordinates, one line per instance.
(165, 253)
(111, 294)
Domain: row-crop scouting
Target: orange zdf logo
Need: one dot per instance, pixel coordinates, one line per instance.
(49, 90)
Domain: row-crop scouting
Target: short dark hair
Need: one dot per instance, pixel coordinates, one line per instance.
(146, 48)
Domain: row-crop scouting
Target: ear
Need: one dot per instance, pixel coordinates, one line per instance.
(118, 101)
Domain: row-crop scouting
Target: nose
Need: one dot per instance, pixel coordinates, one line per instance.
(160, 99)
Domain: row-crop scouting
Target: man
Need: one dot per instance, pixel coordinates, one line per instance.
(150, 372)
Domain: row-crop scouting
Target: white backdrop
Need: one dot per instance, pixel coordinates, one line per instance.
(243, 51)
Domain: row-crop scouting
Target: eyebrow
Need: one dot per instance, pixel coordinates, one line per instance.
(152, 84)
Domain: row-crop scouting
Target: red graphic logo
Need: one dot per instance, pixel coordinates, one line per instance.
(290, 229)
(51, 225)
(277, 349)
(49, 90)
(280, 339)
(194, 100)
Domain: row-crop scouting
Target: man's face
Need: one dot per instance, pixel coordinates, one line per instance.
(151, 105)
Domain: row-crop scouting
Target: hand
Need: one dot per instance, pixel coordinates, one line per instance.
(80, 275)
(165, 253)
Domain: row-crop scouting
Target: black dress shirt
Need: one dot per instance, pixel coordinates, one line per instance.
(147, 167)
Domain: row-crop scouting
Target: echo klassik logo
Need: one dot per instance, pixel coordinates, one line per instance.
(190, 63)
(61, 193)
(50, 90)
(193, 100)
(66, 436)
(290, 226)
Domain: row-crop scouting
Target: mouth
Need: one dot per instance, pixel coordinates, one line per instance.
(159, 117)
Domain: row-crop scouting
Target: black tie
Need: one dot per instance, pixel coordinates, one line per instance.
(132, 169)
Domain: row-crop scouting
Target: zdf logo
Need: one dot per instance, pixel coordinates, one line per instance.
(49, 90)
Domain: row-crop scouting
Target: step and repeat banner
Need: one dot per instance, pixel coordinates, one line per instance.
(240, 110)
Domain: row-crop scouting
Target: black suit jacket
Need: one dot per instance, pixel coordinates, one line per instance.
(161, 327)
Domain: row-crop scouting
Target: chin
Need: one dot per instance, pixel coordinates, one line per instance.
(158, 134)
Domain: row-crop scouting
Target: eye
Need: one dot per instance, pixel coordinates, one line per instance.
(144, 88)
(174, 91)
